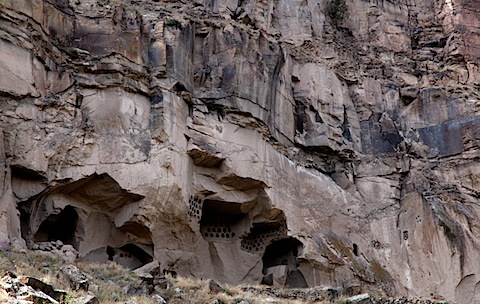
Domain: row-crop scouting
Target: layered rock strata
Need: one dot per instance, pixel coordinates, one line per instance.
(248, 141)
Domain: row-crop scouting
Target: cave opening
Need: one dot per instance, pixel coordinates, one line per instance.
(133, 251)
(61, 226)
(282, 252)
(23, 173)
(280, 265)
(261, 234)
(355, 249)
(111, 253)
(223, 221)
(129, 255)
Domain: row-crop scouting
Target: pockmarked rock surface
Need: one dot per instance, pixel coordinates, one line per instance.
(248, 141)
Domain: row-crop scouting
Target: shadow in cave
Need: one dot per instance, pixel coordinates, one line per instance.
(129, 255)
(280, 266)
(61, 226)
(138, 253)
(222, 221)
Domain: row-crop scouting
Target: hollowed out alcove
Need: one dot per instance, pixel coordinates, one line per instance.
(280, 266)
(135, 251)
(223, 221)
(262, 234)
(129, 255)
(61, 226)
(282, 252)
(132, 256)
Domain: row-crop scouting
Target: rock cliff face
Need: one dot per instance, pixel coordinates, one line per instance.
(248, 140)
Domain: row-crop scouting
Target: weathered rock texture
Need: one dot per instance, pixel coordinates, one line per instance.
(248, 141)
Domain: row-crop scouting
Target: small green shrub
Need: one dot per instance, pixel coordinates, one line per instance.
(380, 273)
(336, 10)
(173, 23)
(417, 73)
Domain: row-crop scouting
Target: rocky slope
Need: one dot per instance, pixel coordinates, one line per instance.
(248, 141)
(108, 283)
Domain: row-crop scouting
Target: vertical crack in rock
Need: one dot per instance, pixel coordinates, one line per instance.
(273, 87)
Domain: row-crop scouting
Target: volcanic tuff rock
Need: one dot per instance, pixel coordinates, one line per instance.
(248, 141)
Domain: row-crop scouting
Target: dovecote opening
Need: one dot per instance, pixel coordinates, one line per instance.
(195, 205)
(223, 221)
(262, 234)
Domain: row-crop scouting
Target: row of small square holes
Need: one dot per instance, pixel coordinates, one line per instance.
(257, 242)
(195, 207)
(218, 230)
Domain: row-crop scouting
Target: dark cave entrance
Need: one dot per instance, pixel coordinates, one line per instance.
(61, 226)
(132, 251)
(223, 221)
(261, 234)
(128, 255)
(283, 253)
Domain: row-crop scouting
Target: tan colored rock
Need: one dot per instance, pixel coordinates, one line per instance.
(88, 299)
(16, 70)
(322, 102)
(27, 290)
(75, 278)
(246, 141)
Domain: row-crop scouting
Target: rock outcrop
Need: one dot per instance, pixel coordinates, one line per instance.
(248, 141)
(28, 290)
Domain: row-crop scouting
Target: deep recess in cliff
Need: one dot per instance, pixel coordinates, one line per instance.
(248, 140)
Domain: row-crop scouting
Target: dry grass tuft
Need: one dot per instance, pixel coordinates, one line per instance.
(110, 283)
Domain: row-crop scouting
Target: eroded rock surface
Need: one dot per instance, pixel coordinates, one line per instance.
(247, 141)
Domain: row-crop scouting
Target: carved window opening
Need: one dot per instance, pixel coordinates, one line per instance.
(355, 249)
(111, 253)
